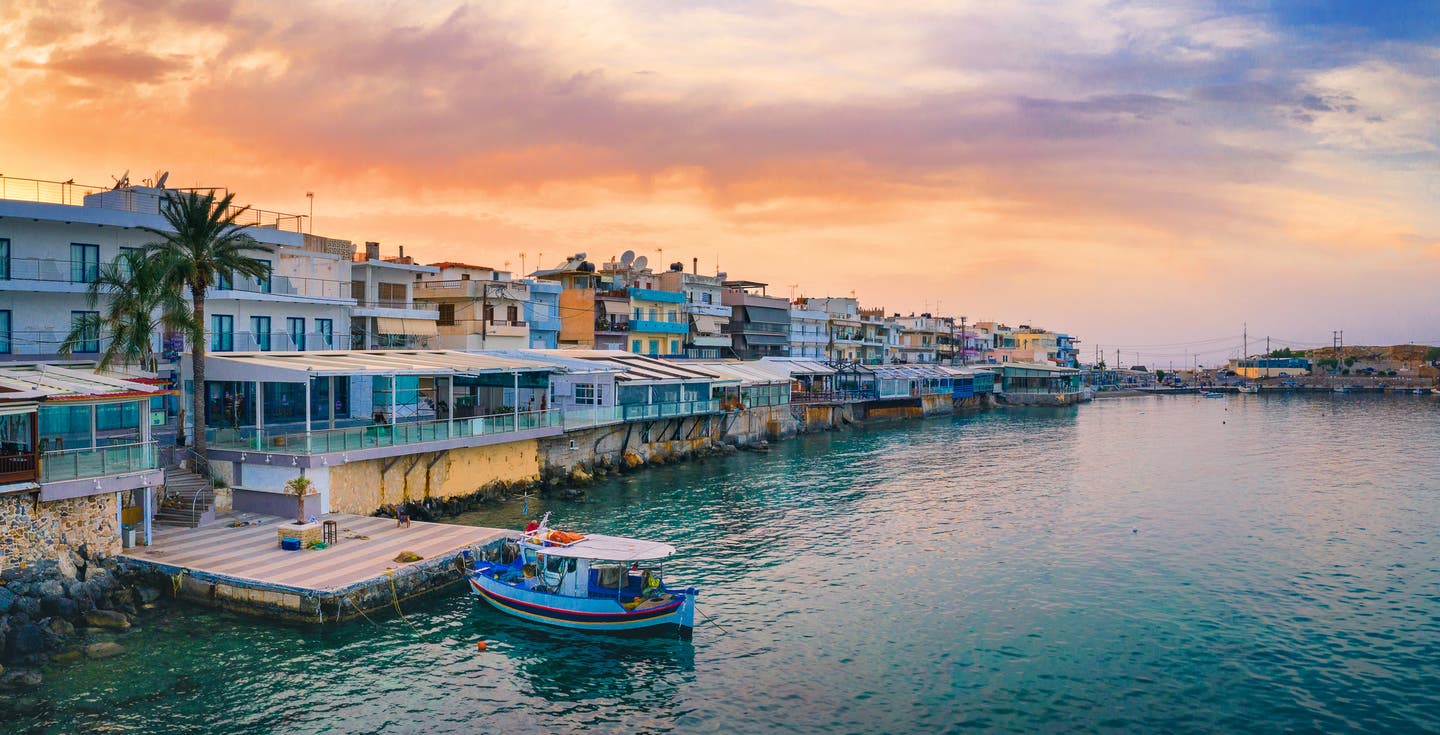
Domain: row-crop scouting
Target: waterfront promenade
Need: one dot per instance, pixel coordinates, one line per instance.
(242, 568)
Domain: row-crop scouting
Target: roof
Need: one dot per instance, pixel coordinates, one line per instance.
(635, 367)
(452, 264)
(793, 366)
(922, 372)
(57, 383)
(748, 373)
(611, 548)
(292, 367)
(1038, 366)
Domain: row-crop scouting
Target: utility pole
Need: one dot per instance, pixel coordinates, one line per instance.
(964, 360)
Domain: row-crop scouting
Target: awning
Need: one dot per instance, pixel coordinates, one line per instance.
(767, 315)
(416, 327)
(13, 408)
(617, 308)
(706, 324)
(766, 339)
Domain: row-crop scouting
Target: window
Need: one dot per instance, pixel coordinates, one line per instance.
(5, 332)
(226, 282)
(392, 294)
(357, 292)
(447, 315)
(326, 329)
(263, 282)
(84, 263)
(654, 314)
(4, 259)
(705, 297)
(586, 395)
(512, 314)
(260, 331)
(635, 346)
(296, 326)
(639, 314)
(673, 316)
(489, 314)
(674, 347)
(222, 333)
(654, 346)
(90, 336)
(464, 276)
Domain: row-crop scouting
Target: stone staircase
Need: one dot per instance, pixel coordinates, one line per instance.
(188, 499)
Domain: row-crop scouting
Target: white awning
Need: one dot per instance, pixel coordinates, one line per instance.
(616, 308)
(610, 548)
(707, 325)
(13, 408)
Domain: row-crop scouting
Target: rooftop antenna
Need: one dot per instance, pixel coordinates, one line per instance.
(123, 181)
(522, 264)
(793, 286)
(160, 182)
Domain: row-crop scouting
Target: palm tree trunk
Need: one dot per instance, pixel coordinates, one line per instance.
(197, 367)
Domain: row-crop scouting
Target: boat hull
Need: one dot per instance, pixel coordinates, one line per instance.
(582, 613)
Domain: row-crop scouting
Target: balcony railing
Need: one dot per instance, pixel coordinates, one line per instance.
(17, 467)
(579, 417)
(378, 435)
(129, 200)
(657, 325)
(118, 459)
(281, 285)
(668, 410)
(63, 270)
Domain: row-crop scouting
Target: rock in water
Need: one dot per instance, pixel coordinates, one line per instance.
(20, 679)
(104, 649)
(106, 619)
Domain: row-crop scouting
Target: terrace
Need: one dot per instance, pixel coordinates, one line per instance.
(137, 199)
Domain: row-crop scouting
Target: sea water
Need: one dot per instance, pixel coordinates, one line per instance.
(1257, 564)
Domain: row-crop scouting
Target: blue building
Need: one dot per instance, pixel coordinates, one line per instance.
(542, 311)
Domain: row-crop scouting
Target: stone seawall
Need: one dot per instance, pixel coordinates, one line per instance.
(32, 531)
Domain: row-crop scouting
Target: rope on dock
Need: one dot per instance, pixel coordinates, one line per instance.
(356, 605)
(176, 580)
(395, 597)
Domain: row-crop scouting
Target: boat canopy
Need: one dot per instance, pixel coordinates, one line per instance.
(610, 548)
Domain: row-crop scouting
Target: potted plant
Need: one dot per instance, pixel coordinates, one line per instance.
(299, 487)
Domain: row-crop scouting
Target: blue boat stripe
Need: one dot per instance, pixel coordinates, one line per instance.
(544, 612)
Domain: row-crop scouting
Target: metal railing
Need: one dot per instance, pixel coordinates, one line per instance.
(579, 417)
(378, 435)
(283, 285)
(117, 459)
(637, 412)
(129, 200)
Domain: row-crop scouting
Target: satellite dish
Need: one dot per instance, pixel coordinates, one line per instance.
(627, 257)
(123, 181)
(160, 182)
(580, 256)
(640, 263)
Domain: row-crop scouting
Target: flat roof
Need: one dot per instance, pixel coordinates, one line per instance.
(635, 367)
(294, 367)
(1036, 366)
(793, 366)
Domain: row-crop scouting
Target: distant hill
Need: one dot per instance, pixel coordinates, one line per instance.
(1410, 354)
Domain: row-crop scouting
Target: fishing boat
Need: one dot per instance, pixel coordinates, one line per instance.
(1213, 394)
(583, 581)
(1252, 388)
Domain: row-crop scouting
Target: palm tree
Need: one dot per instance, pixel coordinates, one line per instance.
(203, 248)
(137, 307)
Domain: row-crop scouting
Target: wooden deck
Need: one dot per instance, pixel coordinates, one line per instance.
(365, 553)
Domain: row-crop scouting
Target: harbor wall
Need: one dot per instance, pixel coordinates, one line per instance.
(362, 487)
(32, 531)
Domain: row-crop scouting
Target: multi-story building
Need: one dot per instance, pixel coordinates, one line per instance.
(542, 311)
(477, 308)
(385, 314)
(54, 237)
(759, 324)
(707, 315)
(876, 333)
(809, 331)
(658, 324)
(577, 303)
(845, 338)
(919, 338)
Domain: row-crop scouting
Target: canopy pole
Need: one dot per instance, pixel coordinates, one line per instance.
(450, 401)
(330, 410)
(307, 412)
(259, 409)
(393, 389)
(516, 407)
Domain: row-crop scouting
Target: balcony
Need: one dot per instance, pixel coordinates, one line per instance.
(612, 326)
(395, 309)
(378, 436)
(650, 294)
(289, 287)
(18, 468)
(657, 325)
(76, 464)
(472, 289)
(644, 411)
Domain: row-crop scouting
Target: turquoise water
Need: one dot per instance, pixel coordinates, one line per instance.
(1176, 564)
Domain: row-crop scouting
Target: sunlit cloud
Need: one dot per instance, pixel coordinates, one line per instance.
(1057, 162)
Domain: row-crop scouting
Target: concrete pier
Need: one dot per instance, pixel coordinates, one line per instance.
(242, 568)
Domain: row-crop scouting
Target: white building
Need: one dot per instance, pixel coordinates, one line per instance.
(809, 332)
(54, 236)
(477, 308)
(385, 313)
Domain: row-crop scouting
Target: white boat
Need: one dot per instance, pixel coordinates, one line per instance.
(583, 581)
(1213, 394)
(1249, 389)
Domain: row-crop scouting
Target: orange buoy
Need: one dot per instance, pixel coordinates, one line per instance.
(480, 646)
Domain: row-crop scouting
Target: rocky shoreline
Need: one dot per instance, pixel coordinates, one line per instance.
(53, 611)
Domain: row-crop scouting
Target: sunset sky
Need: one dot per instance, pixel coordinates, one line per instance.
(1141, 175)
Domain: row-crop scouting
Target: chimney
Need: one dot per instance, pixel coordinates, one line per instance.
(695, 266)
(372, 251)
(402, 253)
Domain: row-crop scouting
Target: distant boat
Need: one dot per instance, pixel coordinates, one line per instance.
(1419, 391)
(1436, 391)
(1212, 394)
(1342, 389)
(1250, 389)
